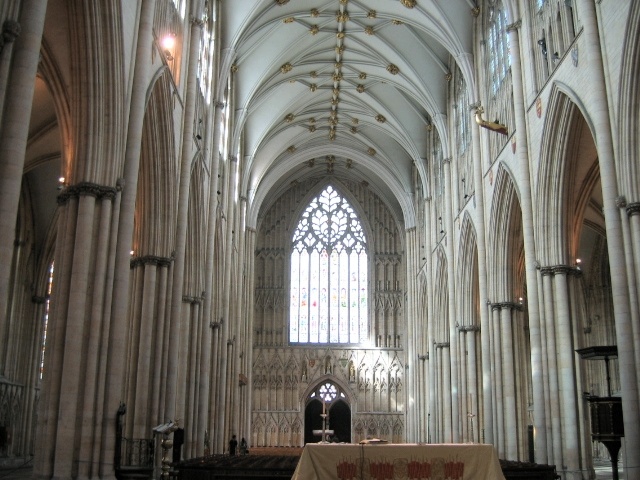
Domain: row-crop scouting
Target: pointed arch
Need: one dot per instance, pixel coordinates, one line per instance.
(467, 273)
(567, 179)
(628, 120)
(329, 298)
(157, 199)
(505, 235)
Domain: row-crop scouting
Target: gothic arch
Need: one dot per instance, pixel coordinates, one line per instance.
(566, 182)
(467, 273)
(344, 388)
(157, 198)
(441, 297)
(344, 192)
(505, 237)
(628, 120)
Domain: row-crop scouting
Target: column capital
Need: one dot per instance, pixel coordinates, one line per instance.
(423, 357)
(621, 201)
(150, 260)
(86, 188)
(219, 105)
(506, 305)
(515, 26)
(560, 270)
(192, 300)
(196, 22)
(469, 328)
(633, 209)
(446, 160)
(441, 344)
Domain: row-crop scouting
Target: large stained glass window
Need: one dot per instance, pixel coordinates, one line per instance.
(328, 296)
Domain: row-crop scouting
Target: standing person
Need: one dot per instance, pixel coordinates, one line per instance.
(243, 447)
(233, 443)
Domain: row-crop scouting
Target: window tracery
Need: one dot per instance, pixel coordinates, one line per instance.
(328, 291)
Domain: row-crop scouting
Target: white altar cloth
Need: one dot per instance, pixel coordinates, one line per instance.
(398, 462)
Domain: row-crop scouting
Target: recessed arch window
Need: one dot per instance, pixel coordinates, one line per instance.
(328, 297)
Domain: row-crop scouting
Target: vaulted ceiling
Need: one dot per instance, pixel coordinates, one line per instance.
(341, 86)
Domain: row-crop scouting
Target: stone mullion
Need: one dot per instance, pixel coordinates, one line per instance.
(552, 356)
(499, 440)
(602, 128)
(14, 133)
(526, 203)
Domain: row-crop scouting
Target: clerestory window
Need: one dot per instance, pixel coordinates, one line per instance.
(498, 45)
(328, 291)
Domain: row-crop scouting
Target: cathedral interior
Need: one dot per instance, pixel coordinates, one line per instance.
(420, 217)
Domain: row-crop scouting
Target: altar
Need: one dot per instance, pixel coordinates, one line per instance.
(398, 462)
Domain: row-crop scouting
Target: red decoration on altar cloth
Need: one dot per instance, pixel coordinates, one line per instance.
(347, 470)
(381, 470)
(454, 470)
(418, 470)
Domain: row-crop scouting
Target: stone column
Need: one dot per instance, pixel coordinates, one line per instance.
(554, 398)
(453, 334)
(13, 137)
(191, 90)
(222, 425)
(485, 314)
(472, 382)
(526, 205)
(499, 440)
(566, 375)
(631, 232)
(204, 394)
(10, 31)
(509, 381)
(601, 121)
(117, 339)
